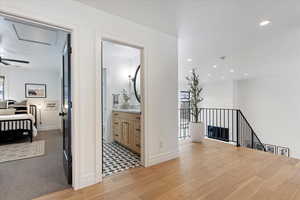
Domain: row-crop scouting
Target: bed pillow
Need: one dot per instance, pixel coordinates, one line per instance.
(21, 103)
(18, 104)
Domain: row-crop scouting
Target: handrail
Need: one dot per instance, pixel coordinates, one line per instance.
(240, 112)
(253, 132)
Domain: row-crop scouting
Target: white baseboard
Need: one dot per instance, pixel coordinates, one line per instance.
(163, 157)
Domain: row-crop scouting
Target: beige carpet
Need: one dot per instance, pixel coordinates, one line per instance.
(20, 151)
(27, 179)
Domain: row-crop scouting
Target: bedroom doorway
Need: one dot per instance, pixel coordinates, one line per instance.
(122, 108)
(36, 114)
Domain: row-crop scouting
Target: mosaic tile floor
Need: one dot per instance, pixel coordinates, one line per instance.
(117, 158)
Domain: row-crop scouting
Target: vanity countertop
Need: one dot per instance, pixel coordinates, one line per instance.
(130, 110)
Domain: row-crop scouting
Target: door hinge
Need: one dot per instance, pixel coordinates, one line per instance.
(70, 104)
(70, 50)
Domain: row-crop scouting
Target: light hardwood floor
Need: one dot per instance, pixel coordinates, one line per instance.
(211, 171)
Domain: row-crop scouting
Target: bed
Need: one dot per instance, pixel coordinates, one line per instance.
(18, 126)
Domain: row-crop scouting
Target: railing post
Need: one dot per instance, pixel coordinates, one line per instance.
(252, 137)
(237, 129)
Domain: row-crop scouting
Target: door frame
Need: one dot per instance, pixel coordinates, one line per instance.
(99, 64)
(71, 29)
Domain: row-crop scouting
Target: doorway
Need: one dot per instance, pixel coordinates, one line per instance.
(36, 64)
(122, 110)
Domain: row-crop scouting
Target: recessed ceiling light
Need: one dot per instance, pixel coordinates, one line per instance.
(209, 75)
(265, 23)
(222, 77)
(189, 60)
(231, 70)
(214, 66)
(246, 74)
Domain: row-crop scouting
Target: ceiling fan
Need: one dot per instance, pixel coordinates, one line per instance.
(6, 61)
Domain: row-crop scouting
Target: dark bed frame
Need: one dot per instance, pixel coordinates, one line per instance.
(9, 132)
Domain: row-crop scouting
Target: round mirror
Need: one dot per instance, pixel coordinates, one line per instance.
(136, 83)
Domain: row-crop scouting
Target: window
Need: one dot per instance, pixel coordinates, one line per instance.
(2, 80)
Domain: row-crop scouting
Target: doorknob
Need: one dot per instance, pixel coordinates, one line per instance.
(62, 114)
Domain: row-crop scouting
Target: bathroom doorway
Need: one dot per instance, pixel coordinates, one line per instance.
(122, 132)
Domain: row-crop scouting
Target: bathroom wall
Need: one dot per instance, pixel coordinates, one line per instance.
(118, 72)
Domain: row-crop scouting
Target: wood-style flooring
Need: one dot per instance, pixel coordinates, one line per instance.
(208, 171)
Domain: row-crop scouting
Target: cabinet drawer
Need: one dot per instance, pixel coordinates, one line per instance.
(116, 130)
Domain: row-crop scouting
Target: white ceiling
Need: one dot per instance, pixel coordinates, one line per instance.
(209, 29)
(39, 45)
(159, 14)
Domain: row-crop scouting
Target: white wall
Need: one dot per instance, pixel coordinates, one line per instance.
(160, 53)
(218, 94)
(15, 80)
(118, 71)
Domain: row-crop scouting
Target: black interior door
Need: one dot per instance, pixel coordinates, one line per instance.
(66, 110)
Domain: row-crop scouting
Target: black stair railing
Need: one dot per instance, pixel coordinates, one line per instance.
(184, 121)
(228, 125)
(247, 136)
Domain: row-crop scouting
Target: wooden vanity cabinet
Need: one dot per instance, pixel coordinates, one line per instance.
(126, 130)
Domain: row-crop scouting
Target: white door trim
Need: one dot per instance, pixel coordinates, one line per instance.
(144, 91)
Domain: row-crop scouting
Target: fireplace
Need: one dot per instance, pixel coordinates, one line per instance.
(218, 133)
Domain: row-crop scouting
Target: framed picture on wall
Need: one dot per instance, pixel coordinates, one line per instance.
(34, 90)
(283, 151)
(270, 148)
(184, 95)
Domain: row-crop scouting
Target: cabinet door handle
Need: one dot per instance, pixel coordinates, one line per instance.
(137, 118)
(116, 135)
(138, 129)
(138, 145)
(116, 123)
